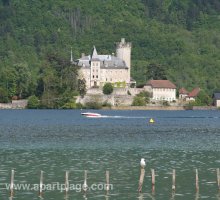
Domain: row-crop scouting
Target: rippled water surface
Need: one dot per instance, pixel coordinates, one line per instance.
(58, 140)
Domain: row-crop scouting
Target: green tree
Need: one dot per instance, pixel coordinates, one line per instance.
(138, 101)
(107, 88)
(203, 99)
(33, 102)
(82, 87)
(156, 72)
(3, 96)
(145, 95)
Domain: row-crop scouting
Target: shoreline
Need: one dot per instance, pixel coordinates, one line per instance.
(159, 108)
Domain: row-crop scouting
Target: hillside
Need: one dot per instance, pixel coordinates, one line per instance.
(176, 39)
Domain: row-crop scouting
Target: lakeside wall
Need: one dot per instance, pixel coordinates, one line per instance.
(15, 104)
(160, 108)
(147, 108)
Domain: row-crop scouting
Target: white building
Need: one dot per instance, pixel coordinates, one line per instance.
(193, 94)
(98, 69)
(183, 93)
(216, 98)
(161, 90)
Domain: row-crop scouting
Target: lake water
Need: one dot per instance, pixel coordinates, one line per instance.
(58, 140)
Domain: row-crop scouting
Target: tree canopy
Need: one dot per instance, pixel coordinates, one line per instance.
(177, 40)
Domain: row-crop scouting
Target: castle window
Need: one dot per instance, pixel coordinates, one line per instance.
(93, 76)
(96, 76)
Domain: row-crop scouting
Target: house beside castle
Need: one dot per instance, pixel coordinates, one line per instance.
(161, 90)
(98, 69)
(188, 96)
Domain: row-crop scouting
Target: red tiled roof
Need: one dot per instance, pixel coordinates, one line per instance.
(183, 91)
(161, 84)
(194, 92)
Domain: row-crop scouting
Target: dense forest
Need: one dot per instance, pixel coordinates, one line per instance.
(178, 40)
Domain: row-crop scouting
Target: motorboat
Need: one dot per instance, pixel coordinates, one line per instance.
(90, 114)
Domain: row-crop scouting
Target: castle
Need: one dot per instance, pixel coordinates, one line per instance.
(99, 69)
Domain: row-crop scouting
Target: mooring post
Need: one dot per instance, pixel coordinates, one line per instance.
(85, 186)
(153, 177)
(141, 180)
(218, 178)
(153, 180)
(41, 183)
(12, 183)
(197, 181)
(174, 180)
(67, 182)
(107, 181)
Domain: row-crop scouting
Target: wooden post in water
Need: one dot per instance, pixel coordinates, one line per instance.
(197, 181)
(41, 183)
(85, 186)
(12, 183)
(67, 182)
(174, 180)
(107, 181)
(153, 180)
(141, 180)
(218, 178)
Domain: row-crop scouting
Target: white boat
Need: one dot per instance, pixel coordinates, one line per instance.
(89, 114)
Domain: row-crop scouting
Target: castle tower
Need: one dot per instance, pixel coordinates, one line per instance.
(123, 51)
(95, 68)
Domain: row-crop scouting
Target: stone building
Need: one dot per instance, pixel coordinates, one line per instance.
(97, 69)
(183, 93)
(193, 94)
(161, 90)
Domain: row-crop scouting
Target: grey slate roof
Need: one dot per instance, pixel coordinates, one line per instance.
(216, 96)
(107, 61)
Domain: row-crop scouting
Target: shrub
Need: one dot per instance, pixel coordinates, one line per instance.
(93, 105)
(145, 95)
(106, 104)
(70, 105)
(128, 92)
(107, 88)
(79, 106)
(188, 106)
(165, 103)
(138, 101)
(33, 102)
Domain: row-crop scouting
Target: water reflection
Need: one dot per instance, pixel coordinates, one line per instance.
(173, 195)
(218, 195)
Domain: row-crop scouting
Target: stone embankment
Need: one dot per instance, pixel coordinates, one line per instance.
(15, 104)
